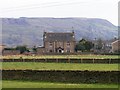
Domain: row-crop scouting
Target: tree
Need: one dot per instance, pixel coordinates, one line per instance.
(21, 48)
(84, 45)
(79, 46)
(99, 44)
(34, 49)
(88, 45)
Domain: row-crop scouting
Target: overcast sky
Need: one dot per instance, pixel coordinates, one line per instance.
(105, 9)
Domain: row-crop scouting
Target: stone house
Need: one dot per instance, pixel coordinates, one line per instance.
(116, 46)
(1, 49)
(58, 43)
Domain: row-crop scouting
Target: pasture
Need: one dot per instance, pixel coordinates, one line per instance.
(33, 84)
(58, 66)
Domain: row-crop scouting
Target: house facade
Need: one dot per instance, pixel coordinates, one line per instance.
(116, 46)
(58, 42)
(1, 49)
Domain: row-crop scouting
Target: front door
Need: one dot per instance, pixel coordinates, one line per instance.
(60, 50)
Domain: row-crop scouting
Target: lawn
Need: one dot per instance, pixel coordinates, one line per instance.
(61, 56)
(28, 84)
(58, 66)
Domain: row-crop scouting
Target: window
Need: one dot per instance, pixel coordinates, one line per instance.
(68, 43)
(50, 44)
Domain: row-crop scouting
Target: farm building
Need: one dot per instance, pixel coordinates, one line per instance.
(1, 49)
(58, 43)
(116, 46)
(10, 52)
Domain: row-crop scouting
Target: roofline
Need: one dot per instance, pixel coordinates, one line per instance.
(59, 32)
(2, 45)
(115, 41)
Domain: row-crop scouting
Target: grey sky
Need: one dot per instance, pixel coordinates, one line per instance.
(105, 9)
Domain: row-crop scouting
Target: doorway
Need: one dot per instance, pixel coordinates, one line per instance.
(60, 50)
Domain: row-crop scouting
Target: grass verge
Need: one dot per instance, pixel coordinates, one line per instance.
(58, 66)
(28, 84)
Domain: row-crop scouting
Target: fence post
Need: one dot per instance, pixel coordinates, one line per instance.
(93, 60)
(109, 78)
(69, 60)
(21, 58)
(81, 60)
(57, 60)
(45, 60)
(109, 61)
(13, 59)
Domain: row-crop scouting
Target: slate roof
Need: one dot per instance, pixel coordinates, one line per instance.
(59, 37)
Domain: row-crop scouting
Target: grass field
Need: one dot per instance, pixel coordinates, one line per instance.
(28, 84)
(58, 66)
(61, 56)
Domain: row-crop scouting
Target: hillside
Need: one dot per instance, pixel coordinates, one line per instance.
(29, 31)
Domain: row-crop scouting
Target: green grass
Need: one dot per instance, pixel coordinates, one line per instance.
(58, 66)
(61, 56)
(28, 84)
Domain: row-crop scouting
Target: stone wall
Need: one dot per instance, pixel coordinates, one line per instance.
(65, 60)
(63, 76)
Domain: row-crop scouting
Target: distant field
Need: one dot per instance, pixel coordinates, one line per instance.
(28, 84)
(58, 66)
(62, 56)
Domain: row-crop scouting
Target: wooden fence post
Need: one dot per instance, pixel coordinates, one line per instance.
(13, 60)
(56, 60)
(109, 61)
(45, 60)
(69, 60)
(81, 60)
(93, 60)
